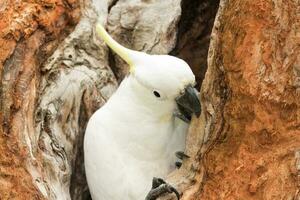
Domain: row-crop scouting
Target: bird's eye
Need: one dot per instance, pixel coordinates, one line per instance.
(156, 94)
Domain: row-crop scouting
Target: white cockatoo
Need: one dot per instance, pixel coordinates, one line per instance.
(134, 136)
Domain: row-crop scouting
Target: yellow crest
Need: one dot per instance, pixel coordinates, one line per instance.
(123, 52)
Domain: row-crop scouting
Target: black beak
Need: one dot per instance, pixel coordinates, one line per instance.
(188, 103)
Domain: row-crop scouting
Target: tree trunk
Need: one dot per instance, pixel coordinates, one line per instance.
(55, 73)
(246, 144)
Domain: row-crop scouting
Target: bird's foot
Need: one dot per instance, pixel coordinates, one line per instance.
(160, 187)
(178, 164)
(180, 155)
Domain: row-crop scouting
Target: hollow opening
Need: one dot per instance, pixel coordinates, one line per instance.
(194, 32)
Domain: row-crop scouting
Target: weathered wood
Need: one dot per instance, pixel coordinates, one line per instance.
(29, 32)
(45, 104)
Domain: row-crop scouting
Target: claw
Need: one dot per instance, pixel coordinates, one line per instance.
(181, 155)
(160, 187)
(156, 182)
(176, 192)
(178, 164)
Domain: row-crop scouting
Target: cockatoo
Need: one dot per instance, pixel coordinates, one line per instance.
(134, 136)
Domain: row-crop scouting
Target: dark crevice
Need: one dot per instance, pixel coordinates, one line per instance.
(194, 31)
(113, 3)
(78, 177)
(112, 64)
(111, 56)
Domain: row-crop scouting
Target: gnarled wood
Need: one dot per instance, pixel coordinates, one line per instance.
(45, 104)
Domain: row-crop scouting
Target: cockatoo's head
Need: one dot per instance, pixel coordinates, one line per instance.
(167, 78)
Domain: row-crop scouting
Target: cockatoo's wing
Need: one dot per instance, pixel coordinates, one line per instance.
(101, 159)
(177, 141)
(111, 174)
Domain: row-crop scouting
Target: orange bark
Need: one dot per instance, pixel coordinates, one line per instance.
(255, 156)
(29, 32)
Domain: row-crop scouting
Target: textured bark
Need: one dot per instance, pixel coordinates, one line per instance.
(256, 134)
(45, 104)
(246, 143)
(29, 33)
